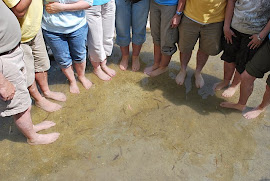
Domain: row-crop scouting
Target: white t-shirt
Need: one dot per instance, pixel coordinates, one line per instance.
(251, 16)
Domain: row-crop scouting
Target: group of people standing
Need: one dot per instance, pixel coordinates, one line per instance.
(69, 27)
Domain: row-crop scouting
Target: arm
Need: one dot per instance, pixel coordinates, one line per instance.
(257, 39)
(21, 8)
(7, 89)
(177, 18)
(56, 7)
(228, 33)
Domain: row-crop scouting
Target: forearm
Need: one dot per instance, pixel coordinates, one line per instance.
(21, 8)
(80, 5)
(181, 5)
(229, 13)
(265, 31)
(2, 80)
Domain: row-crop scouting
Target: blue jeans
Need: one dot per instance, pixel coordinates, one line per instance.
(131, 15)
(68, 47)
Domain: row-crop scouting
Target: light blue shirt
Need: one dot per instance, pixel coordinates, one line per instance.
(100, 2)
(167, 2)
(64, 22)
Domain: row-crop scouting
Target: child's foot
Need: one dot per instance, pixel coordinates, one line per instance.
(199, 82)
(47, 105)
(253, 113)
(233, 106)
(124, 63)
(158, 71)
(102, 75)
(43, 139)
(108, 70)
(58, 96)
(180, 78)
(147, 70)
(85, 82)
(73, 88)
(221, 85)
(135, 63)
(229, 92)
(43, 125)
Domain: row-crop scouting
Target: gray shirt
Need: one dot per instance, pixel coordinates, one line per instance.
(251, 16)
(10, 32)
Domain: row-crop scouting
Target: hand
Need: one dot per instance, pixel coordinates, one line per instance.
(7, 91)
(54, 7)
(255, 42)
(228, 34)
(175, 21)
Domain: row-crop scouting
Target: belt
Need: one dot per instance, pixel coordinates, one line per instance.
(10, 51)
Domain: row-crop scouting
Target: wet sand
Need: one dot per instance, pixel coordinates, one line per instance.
(140, 128)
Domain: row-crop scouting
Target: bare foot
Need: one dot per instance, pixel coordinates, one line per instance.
(158, 71)
(221, 85)
(233, 106)
(47, 105)
(124, 63)
(58, 96)
(199, 82)
(43, 139)
(85, 82)
(135, 63)
(102, 75)
(147, 70)
(253, 113)
(230, 91)
(180, 78)
(108, 70)
(43, 125)
(73, 88)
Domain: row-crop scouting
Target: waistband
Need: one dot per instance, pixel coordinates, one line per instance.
(10, 51)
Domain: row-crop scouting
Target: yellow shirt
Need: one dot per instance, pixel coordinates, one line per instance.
(206, 11)
(31, 22)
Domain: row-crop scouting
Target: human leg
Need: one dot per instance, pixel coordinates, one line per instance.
(246, 88)
(24, 123)
(122, 24)
(165, 60)
(80, 69)
(188, 36)
(261, 108)
(229, 92)
(135, 57)
(155, 24)
(69, 73)
(42, 64)
(184, 59)
(107, 69)
(229, 69)
(201, 61)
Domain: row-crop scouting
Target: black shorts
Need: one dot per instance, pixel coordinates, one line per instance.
(260, 63)
(238, 52)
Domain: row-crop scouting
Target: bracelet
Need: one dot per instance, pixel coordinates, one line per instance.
(259, 38)
(179, 13)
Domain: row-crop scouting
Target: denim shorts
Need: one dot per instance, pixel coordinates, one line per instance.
(131, 15)
(68, 47)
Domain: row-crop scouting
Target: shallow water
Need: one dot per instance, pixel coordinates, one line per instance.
(140, 128)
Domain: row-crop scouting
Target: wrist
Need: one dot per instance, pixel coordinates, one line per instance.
(179, 13)
(259, 37)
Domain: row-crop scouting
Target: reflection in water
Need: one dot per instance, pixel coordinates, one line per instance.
(140, 128)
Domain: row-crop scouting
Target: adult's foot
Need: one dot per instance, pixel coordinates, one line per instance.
(158, 71)
(149, 69)
(199, 82)
(229, 92)
(124, 63)
(43, 139)
(180, 78)
(233, 106)
(47, 105)
(101, 74)
(85, 82)
(108, 70)
(253, 113)
(221, 85)
(58, 96)
(73, 88)
(135, 63)
(43, 125)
